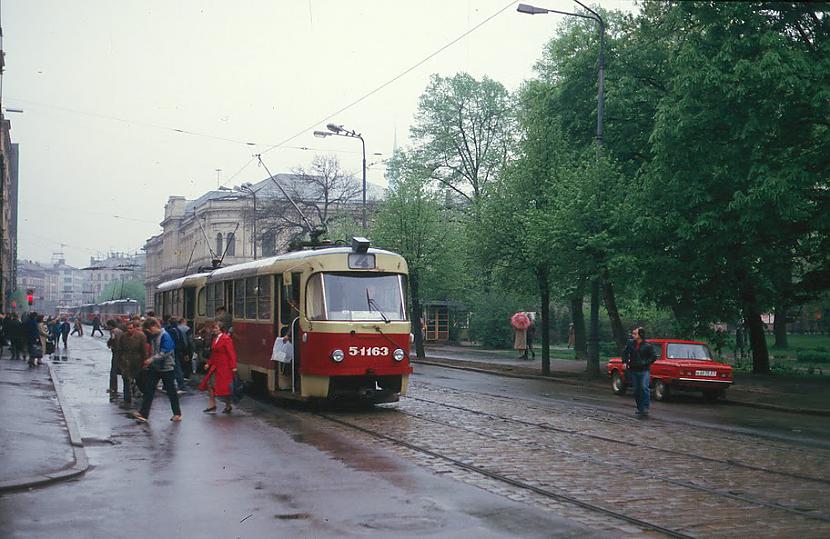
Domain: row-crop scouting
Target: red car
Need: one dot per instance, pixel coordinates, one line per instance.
(680, 365)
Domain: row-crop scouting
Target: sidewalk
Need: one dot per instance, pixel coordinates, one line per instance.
(38, 443)
(808, 395)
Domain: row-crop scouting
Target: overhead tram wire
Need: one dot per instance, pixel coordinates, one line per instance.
(390, 81)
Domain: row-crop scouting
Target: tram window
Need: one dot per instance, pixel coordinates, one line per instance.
(285, 308)
(200, 302)
(250, 298)
(239, 298)
(314, 297)
(189, 302)
(218, 296)
(175, 303)
(210, 300)
(264, 297)
(363, 296)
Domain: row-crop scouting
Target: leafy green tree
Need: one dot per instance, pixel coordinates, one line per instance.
(132, 289)
(414, 222)
(738, 180)
(463, 132)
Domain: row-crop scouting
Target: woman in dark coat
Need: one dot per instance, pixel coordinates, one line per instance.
(220, 368)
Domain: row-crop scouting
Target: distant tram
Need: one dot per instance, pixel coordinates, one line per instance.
(119, 310)
(344, 307)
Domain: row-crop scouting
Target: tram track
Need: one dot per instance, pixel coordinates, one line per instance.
(769, 440)
(703, 496)
(550, 428)
(662, 478)
(508, 480)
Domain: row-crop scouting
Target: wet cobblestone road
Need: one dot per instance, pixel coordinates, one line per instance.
(692, 480)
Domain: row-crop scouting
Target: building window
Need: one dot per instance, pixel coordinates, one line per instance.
(269, 243)
(231, 239)
(219, 245)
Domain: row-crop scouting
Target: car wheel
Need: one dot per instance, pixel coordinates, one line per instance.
(712, 395)
(617, 383)
(661, 390)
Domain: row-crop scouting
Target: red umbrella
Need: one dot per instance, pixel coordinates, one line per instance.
(520, 321)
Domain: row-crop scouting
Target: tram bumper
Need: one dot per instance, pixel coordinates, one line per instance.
(378, 389)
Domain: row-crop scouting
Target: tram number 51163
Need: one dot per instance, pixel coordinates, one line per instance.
(365, 351)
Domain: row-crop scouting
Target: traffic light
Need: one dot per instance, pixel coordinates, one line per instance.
(30, 296)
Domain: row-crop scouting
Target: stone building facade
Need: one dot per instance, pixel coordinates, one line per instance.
(219, 225)
(8, 214)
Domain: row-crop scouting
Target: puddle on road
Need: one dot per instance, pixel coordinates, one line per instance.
(402, 523)
(293, 516)
(355, 455)
(98, 441)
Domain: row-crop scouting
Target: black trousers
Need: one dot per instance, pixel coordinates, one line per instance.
(151, 380)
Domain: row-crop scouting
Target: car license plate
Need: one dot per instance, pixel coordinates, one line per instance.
(706, 373)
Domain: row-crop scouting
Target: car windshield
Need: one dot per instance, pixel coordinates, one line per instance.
(356, 296)
(688, 351)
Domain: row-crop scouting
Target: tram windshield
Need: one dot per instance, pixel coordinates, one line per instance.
(356, 296)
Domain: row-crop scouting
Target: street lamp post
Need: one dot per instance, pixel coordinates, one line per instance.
(339, 130)
(593, 337)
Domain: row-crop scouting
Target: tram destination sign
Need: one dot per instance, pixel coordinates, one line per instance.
(361, 261)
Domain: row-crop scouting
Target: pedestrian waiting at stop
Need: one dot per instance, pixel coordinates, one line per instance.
(115, 347)
(14, 331)
(638, 357)
(64, 332)
(159, 366)
(132, 353)
(220, 369)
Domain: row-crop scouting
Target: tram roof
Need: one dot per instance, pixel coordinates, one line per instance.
(181, 281)
(252, 268)
(122, 300)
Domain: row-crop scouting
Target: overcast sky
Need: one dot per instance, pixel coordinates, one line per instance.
(105, 85)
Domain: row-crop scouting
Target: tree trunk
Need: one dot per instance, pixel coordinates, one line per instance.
(757, 335)
(592, 367)
(779, 327)
(578, 319)
(544, 297)
(417, 313)
(613, 313)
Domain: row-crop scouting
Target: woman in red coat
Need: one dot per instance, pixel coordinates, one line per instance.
(220, 369)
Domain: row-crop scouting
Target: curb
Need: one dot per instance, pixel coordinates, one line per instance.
(81, 463)
(481, 368)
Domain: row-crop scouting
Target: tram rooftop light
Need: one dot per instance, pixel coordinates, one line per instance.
(360, 244)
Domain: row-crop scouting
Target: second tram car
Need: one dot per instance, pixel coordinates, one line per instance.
(345, 309)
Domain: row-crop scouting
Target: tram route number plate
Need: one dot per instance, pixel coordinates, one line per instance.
(368, 351)
(706, 373)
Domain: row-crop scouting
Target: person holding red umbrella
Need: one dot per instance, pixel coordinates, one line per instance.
(520, 322)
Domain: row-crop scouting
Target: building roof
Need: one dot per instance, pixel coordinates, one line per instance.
(266, 189)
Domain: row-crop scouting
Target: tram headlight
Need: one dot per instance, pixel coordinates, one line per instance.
(337, 355)
(398, 354)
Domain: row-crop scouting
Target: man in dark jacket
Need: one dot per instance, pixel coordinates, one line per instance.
(638, 357)
(14, 331)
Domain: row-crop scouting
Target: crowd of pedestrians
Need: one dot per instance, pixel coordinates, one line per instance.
(144, 351)
(30, 337)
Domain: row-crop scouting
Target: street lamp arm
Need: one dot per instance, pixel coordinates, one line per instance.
(533, 10)
(594, 13)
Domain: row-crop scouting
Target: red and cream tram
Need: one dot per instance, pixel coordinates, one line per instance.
(344, 307)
